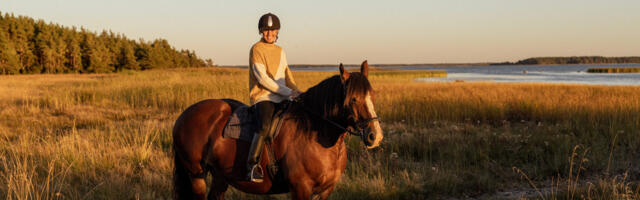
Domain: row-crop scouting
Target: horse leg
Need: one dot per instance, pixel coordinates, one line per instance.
(189, 182)
(301, 191)
(218, 188)
(324, 195)
(199, 187)
(198, 176)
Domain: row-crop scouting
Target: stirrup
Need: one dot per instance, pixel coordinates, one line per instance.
(256, 179)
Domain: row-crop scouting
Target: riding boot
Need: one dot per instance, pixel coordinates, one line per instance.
(264, 111)
(254, 170)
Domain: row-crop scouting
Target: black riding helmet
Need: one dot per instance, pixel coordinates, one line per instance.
(268, 22)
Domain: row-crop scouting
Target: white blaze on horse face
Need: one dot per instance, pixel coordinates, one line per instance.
(376, 124)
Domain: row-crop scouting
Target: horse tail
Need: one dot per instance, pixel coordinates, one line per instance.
(182, 188)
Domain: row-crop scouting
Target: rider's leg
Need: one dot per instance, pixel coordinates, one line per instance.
(265, 113)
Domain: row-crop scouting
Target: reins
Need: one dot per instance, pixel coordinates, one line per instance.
(360, 131)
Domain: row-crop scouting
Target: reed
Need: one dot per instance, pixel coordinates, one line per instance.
(613, 70)
(108, 136)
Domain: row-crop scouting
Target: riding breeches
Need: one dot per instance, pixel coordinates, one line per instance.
(265, 111)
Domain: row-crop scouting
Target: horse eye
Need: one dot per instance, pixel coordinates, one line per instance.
(353, 100)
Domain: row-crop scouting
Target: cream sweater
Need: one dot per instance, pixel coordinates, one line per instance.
(269, 76)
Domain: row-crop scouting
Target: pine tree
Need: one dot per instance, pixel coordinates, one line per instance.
(158, 55)
(22, 32)
(43, 50)
(142, 54)
(73, 62)
(59, 47)
(127, 58)
(90, 59)
(110, 50)
(8, 58)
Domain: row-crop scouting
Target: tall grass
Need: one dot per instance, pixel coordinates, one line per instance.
(571, 186)
(109, 136)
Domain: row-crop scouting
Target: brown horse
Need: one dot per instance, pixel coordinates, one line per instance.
(309, 149)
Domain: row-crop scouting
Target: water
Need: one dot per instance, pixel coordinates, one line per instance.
(568, 74)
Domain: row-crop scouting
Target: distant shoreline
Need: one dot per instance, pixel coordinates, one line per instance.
(573, 60)
(320, 66)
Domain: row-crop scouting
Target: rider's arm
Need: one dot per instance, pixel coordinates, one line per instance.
(288, 76)
(260, 72)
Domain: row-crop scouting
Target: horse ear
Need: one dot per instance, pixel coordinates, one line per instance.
(364, 68)
(344, 74)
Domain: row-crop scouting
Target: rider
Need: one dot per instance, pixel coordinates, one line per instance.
(270, 82)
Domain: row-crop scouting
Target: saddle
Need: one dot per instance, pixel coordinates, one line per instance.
(243, 122)
(243, 125)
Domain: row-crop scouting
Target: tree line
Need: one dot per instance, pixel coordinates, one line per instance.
(29, 46)
(578, 60)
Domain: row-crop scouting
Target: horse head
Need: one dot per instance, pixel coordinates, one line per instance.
(358, 104)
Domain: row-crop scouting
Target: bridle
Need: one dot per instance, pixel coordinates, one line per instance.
(359, 124)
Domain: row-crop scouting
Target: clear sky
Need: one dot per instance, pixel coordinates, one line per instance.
(385, 31)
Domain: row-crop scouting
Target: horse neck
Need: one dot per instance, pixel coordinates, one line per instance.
(325, 100)
(314, 126)
(319, 104)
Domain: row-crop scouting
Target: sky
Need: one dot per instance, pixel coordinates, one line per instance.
(383, 32)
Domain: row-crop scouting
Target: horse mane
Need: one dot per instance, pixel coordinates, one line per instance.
(330, 99)
(324, 98)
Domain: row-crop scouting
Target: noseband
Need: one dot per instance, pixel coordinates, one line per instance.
(360, 131)
(363, 122)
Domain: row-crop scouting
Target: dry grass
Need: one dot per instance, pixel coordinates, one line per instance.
(108, 136)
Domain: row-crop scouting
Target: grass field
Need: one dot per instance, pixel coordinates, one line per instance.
(108, 136)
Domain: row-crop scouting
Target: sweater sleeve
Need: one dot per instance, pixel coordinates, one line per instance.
(290, 83)
(260, 72)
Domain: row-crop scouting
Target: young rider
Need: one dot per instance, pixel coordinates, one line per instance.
(270, 82)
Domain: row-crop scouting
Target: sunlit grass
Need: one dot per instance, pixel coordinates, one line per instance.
(109, 136)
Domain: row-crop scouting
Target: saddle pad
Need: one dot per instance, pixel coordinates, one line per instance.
(242, 124)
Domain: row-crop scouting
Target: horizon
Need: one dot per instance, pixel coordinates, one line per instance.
(413, 32)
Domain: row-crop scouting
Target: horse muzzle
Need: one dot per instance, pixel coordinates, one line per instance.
(368, 137)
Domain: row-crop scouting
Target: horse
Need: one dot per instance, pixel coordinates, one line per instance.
(309, 149)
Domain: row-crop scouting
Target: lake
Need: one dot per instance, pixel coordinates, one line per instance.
(571, 74)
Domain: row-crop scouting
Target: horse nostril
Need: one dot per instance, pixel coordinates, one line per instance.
(371, 137)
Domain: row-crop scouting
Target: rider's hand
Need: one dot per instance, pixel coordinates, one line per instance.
(295, 94)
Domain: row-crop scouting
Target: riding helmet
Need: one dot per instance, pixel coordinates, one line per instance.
(269, 22)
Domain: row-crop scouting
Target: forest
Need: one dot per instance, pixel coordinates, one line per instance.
(29, 46)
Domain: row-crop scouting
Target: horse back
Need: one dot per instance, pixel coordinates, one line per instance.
(205, 117)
